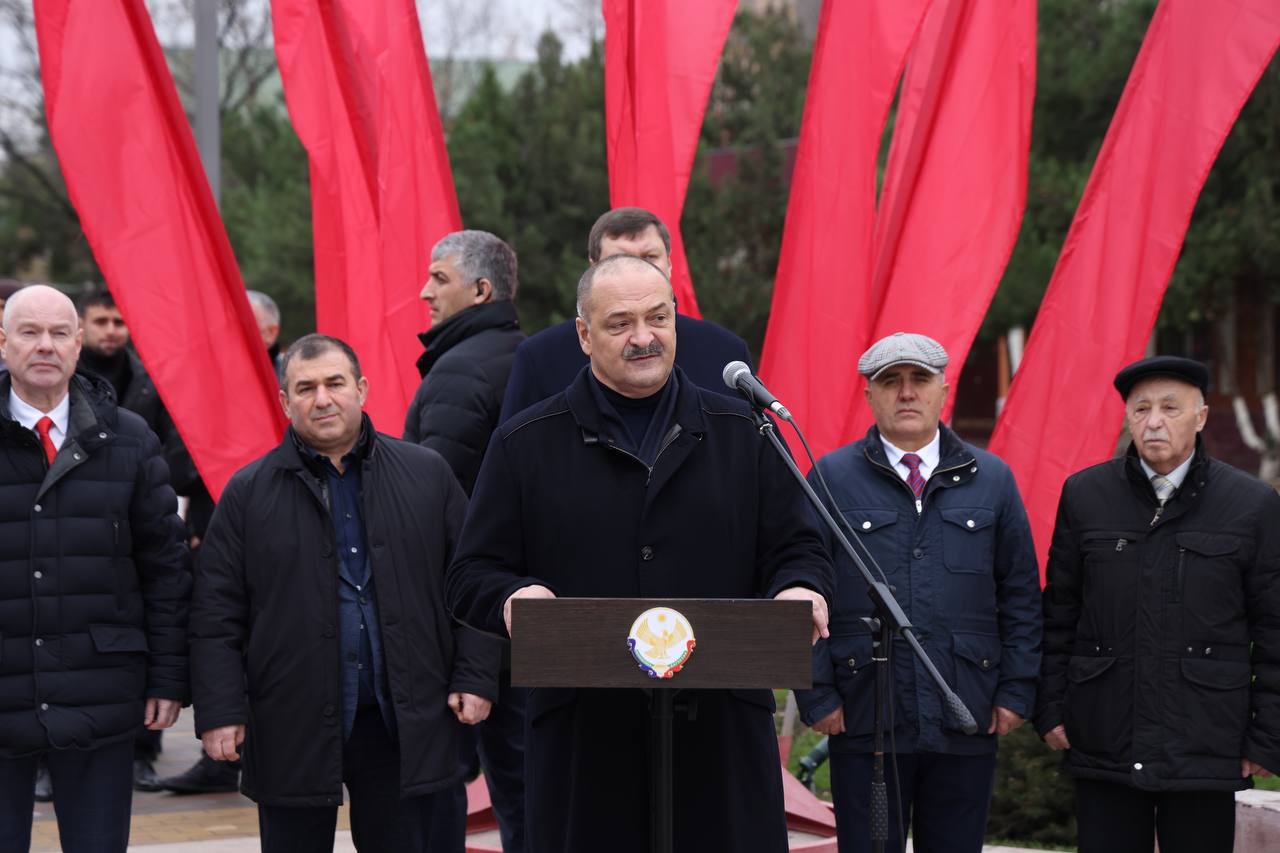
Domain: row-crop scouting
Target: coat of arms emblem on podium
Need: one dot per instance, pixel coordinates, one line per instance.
(661, 640)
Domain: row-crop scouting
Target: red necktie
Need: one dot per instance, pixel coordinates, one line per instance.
(914, 479)
(42, 428)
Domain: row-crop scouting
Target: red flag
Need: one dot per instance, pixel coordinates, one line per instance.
(1198, 64)
(820, 315)
(135, 178)
(956, 182)
(359, 93)
(660, 59)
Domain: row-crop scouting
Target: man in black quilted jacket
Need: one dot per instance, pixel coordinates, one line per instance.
(94, 583)
(465, 364)
(468, 350)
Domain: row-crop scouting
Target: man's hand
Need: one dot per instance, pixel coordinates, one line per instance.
(1056, 737)
(1004, 721)
(469, 708)
(221, 744)
(1252, 768)
(831, 724)
(160, 713)
(800, 593)
(535, 591)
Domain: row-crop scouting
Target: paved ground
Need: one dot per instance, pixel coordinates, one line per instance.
(163, 822)
(206, 823)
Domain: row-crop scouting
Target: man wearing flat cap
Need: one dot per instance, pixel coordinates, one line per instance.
(1161, 671)
(944, 522)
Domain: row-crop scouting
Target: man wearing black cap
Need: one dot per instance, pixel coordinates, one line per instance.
(1161, 669)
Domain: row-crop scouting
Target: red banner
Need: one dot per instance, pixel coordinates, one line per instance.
(360, 97)
(135, 178)
(1198, 64)
(956, 182)
(660, 61)
(820, 316)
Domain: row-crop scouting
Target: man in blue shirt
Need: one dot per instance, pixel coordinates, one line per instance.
(323, 651)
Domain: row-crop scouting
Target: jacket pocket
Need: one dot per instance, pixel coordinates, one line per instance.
(855, 681)
(977, 660)
(1205, 571)
(967, 539)
(117, 638)
(1098, 708)
(875, 529)
(1214, 706)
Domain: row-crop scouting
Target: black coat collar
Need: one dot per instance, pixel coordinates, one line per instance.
(951, 450)
(585, 410)
(478, 318)
(293, 454)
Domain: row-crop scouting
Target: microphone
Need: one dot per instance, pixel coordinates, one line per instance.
(738, 377)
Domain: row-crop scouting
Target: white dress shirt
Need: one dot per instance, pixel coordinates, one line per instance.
(27, 415)
(1176, 476)
(928, 456)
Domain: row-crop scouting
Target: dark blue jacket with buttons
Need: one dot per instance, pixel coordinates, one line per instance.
(963, 569)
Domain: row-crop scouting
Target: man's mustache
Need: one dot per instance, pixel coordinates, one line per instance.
(654, 348)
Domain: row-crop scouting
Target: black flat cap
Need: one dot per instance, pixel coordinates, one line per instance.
(1191, 372)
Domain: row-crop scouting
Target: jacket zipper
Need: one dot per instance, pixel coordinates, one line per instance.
(919, 502)
(671, 437)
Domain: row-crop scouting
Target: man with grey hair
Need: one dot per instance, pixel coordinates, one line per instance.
(94, 583)
(267, 315)
(468, 350)
(465, 364)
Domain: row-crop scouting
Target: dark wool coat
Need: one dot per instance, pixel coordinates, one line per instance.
(464, 373)
(264, 620)
(94, 578)
(717, 516)
(964, 570)
(549, 361)
(1162, 632)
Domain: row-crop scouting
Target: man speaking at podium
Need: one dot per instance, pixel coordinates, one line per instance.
(635, 483)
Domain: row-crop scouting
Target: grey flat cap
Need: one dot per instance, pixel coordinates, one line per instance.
(903, 348)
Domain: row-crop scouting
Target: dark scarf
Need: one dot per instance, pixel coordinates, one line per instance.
(636, 425)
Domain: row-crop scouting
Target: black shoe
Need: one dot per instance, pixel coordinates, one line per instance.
(206, 776)
(44, 786)
(144, 775)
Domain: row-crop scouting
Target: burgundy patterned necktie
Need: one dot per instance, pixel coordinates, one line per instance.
(914, 479)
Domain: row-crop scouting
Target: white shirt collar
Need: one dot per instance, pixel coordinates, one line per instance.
(1176, 476)
(929, 456)
(27, 415)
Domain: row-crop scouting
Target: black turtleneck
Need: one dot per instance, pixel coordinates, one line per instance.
(113, 368)
(636, 424)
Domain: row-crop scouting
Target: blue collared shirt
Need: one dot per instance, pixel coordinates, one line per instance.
(364, 680)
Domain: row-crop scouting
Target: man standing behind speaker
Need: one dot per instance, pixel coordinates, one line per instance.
(471, 288)
(547, 362)
(945, 522)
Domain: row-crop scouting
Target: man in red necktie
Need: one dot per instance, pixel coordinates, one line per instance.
(94, 583)
(945, 523)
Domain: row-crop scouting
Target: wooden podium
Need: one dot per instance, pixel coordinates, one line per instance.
(738, 644)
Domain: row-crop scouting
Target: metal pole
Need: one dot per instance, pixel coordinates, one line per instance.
(208, 130)
(661, 771)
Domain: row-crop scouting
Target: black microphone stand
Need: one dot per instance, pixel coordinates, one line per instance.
(889, 619)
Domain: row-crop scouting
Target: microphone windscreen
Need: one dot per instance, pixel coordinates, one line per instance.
(732, 371)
